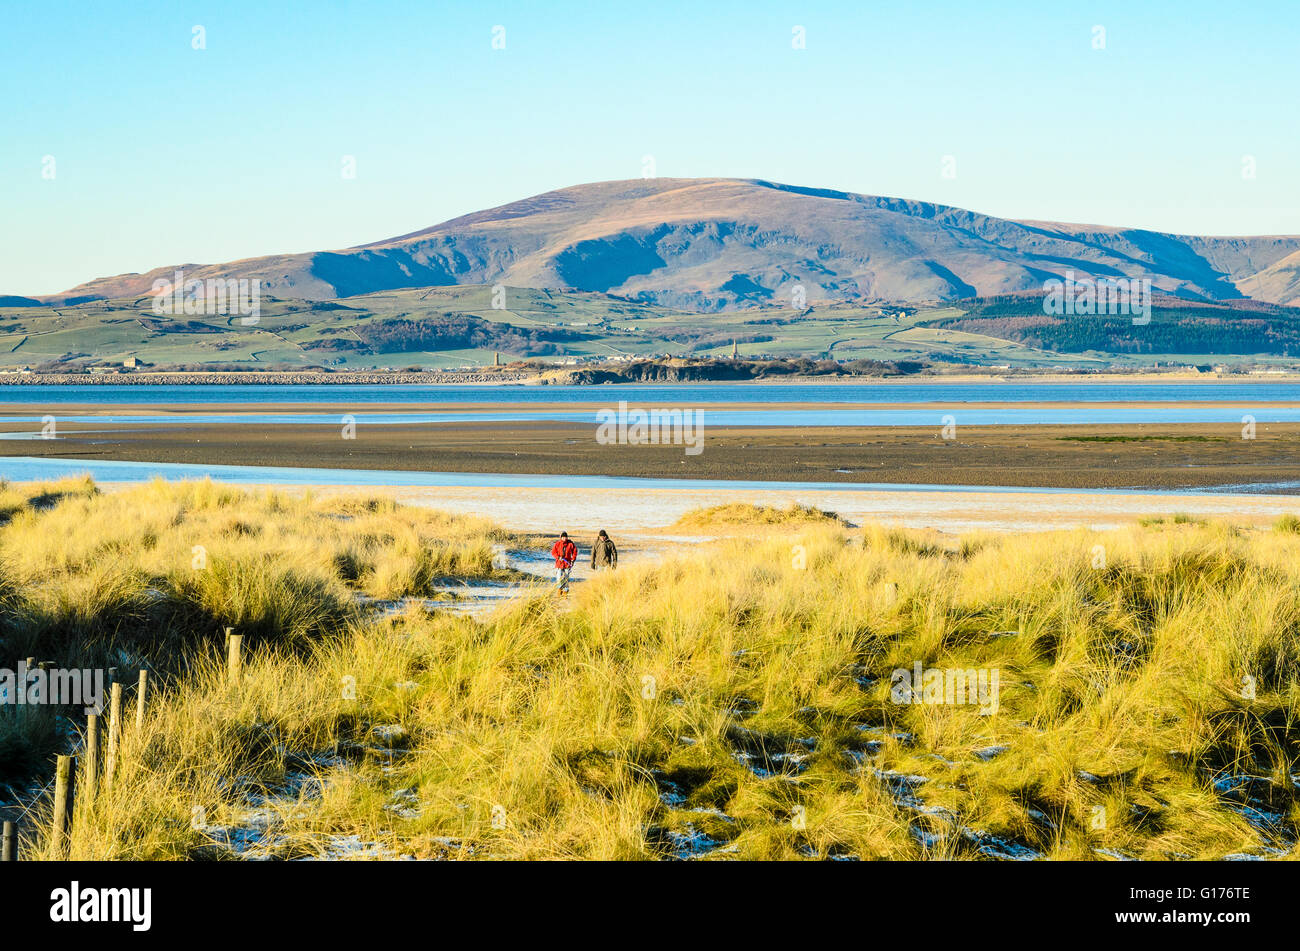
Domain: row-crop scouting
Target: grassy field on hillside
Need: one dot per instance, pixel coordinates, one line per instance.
(356, 333)
(1139, 688)
(293, 333)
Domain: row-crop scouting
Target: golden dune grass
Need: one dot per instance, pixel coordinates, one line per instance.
(747, 514)
(731, 701)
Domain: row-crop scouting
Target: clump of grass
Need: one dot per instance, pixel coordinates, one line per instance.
(16, 497)
(743, 513)
(1178, 518)
(900, 541)
(1288, 525)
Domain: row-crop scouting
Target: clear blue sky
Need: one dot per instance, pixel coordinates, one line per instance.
(167, 154)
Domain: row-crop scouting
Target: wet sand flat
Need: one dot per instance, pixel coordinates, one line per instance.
(641, 520)
(1142, 456)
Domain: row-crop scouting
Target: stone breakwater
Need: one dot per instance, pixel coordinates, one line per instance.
(256, 378)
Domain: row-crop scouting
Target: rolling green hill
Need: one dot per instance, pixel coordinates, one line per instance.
(450, 327)
(1176, 328)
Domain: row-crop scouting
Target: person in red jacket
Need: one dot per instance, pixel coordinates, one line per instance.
(565, 554)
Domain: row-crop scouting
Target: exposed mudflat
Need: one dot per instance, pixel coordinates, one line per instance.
(1159, 457)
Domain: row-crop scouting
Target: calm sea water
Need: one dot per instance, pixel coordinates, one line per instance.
(33, 469)
(1029, 415)
(1011, 392)
(1195, 402)
(29, 469)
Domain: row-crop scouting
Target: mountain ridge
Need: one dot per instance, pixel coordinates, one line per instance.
(717, 244)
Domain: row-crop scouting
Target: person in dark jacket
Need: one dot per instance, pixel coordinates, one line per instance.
(603, 553)
(565, 554)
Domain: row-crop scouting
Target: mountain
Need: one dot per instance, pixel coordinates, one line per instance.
(715, 244)
(1279, 282)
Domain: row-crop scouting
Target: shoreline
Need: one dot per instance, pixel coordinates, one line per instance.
(539, 377)
(584, 405)
(647, 515)
(1134, 457)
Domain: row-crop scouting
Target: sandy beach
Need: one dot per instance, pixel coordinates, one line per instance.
(649, 514)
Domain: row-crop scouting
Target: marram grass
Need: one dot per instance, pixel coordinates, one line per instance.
(745, 514)
(733, 702)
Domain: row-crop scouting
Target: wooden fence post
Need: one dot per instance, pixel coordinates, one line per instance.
(9, 844)
(90, 769)
(114, 734)
(234, 642)
(27, 682)
(139, 700)
(61, 833)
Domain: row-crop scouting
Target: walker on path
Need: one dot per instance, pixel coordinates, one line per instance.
(565, 553)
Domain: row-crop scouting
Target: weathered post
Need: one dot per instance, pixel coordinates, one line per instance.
(61, 834)
(9, 843)
(90, 769)
(114, 734)
(24, 686)
(234, 642)
(139, 700)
